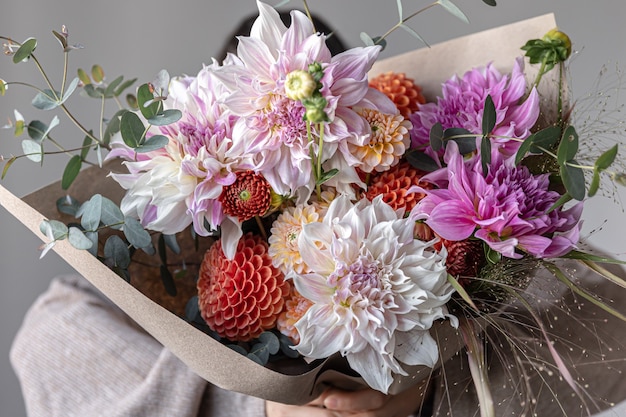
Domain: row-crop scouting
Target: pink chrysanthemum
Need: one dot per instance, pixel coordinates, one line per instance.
(375, 290)
(242, 297)
(463, 100)
(508, 208)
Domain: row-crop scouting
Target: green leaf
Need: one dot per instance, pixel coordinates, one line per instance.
(399, 6)
(71, 171)
(93, 91)
(90, 213)
(166, 117)
(54, 228)
(562, 200)
(113, 126)
(465, 139)
(606, 159)
(78, 239)
(286, 347)
(36, 130)
(152, 143)
(87, 141)
(61, 38)
(462, 292)
(256, 359)
(69, 90)
(192, 310)
(110, 214)
(93, 236)
(568, 146)
(68, 205)
(436, 137)
(7, 165)
(46, 100)
(422, 161)
(3, 87)
(171, 242)
(97, 73)
(271, 342)
(493, 256)
(367, 39)
(136, 234)
(485, 154)
(32, 150)
(168, 281)
(145, 100)
(489, 116)
(124, 86)
(132, 129)
(453, 9)
(413, 33)
(116, 250)
(326, 176)
(490, 2)
(573, 180)
(595, 182)
(109, 92)
(24, 51)
(83, 77)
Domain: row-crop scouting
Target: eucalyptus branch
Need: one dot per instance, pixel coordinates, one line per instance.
(403, 21)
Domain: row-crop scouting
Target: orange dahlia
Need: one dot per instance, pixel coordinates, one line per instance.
(406, 95)
(465, 258)
(242, 297)
(249, 196)
(394, 184)
(295, 307)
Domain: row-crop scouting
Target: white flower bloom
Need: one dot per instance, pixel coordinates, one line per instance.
(374, 289)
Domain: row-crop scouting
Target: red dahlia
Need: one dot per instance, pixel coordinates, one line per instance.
(394, 184)
(242, 297)
(249, 196)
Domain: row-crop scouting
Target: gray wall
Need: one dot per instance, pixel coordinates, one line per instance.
(137, 38)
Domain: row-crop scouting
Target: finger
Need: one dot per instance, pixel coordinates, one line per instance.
(273, 409)
(365, 399)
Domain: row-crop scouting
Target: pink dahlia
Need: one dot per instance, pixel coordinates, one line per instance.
(180, 184)
(508, 208)
(269, 64)
(463, 100)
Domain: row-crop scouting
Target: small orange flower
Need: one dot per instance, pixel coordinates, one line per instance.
(295, 307)
(242, 297)
(249, 196)
(387, 143)
(394, 185)
(465, 258)
(406, 95)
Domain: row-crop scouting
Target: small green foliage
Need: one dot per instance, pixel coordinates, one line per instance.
(489, 116)
(602, 163)
(132, 129)
(61, 38)
(326, 175)
(436, 136)
(490, 2)
(97, 73)
(171, 242)
(568, 145)
(152, 143)
(573, 179)
(53, 229)
(3, 87)
(116, 251)
(165, 117)
(110, 214)
(46, 100)
(90, 212)
(421, 161)
(538, 142)
(411, 32)
(68, 205)
(168, 281)
(83, 77)
(87, 142)
(71, 171)
(148, 106)
(113, 126)
(555, 47)
(7, 165)
(77, 238)
(453, 10)
(485, 154)
(25, 51)
(136, 234)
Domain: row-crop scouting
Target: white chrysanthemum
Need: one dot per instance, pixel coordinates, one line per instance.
(376, 290)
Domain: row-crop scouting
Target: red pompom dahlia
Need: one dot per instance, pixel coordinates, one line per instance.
(249, 196)
(242, 297)
(406, 95)
(394, 184)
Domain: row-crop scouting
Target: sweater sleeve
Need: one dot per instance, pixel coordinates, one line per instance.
(77, 354)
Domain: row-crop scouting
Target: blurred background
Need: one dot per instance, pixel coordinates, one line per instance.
(138, 38)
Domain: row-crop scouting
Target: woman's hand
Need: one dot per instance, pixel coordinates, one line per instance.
(361, 403)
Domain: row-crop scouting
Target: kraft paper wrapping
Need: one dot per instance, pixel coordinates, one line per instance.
(292, 381)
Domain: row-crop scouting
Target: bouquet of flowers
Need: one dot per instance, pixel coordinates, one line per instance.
(352, 222)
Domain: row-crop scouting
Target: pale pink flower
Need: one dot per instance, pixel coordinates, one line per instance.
(376, 291)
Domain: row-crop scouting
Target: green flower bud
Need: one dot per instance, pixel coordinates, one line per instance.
(299, 85)
(315, 115)
(557, 37)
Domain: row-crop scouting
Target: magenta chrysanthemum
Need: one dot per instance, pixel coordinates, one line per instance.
(462, 102)
(508, 208)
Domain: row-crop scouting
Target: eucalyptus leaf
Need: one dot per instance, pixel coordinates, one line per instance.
(45, 100)
(97, 73)
(69, 90)
(71, 171)
(568, 146)
(366, 39)
(261, 351)
(436, 137)
(606, 159)
(595, 183)
(573, 180)
(109, 92)
(168, 281)
(93, 91)
(413, 33)
(400, 13)
(161, 81)
(171, 242)
(82, 75)
(271, 342)
(61, 38)
(465, 139)
(132, 129)
(152, 144)
(78, 239)
(256, 359)
(124, 86)
(192, 310)
(7, 165)
(90, 213)
(490, 2)
(422, 161)
(117, 251)
(161, 249)
(286, 347)
(166, 117)
(93, 236)
(136, 234)
(24, 51)
(32, 150)
(238, 349)
(110, 214)
(3, 87)
(113, 126)
(489, 116)
(453, 9)
(53, 229)
(562, 200)
(36, 130)
(68, 205)
(485, 154)
(145, 95)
